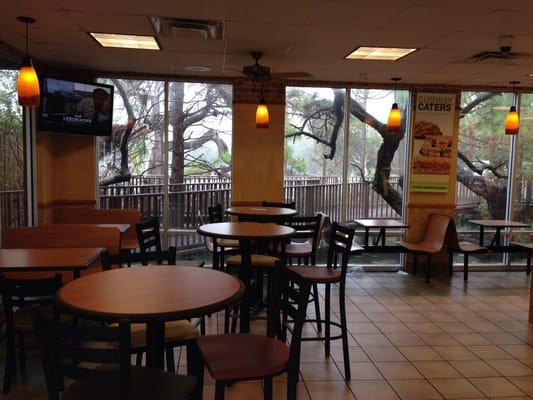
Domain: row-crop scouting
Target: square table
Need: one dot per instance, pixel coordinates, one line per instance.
(382, 224)
(121, 227)
(49, 259)
(498, 225)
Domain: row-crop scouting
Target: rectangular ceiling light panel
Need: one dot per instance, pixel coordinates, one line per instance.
(126, 41)
(378, 53)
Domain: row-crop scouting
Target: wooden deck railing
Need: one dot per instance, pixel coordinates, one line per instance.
(12, 208)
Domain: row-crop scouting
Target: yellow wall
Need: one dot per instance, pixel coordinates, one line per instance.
(66, 172)
(257, 155)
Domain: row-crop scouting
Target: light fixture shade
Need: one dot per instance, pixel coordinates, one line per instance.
(261, 115)
(28, 86)
(512, 122)
(395, 119)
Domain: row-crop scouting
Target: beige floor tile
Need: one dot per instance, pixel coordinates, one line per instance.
(510, 367)
(519, 350)
(381, 317)
(362, 327)
(371, 339)
(524, 383)
(383, 353)
(329, 390)
(502, 338)
(454, 327)
(356, 354)
(436, 369)
(414, 389)
(472, 339)
(371, 308)
(419, 353)
(356, 317)
(410, 316)
(457, 388)
(280, 391)
(392, 327)
(398, 370)
(474, 369)
(423, 327)
(372, 390)
(455, 353)
(320, 372)
(405, 339)
(496, 387)
(241, 390)
(437, 339)
(362, 371)
(490, 352)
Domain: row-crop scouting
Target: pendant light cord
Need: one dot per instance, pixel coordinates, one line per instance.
(27, 40)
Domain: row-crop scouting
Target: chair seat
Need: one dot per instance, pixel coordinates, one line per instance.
(317, 274)
(469, 247)
(146, 383)
(258, 260)
(242, 356)
(227, 243)
(295, 249)
(190, 263)
(419, 247)
(129, 244)
(175, 331)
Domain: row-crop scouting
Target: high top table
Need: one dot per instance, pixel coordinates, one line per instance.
(245, 232)
(151, 295)
(262, 214)
(49, 259)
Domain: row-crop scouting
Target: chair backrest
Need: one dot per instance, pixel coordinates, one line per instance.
(339, 243)
(208, 242)
(295, 294)
(291, 204)
(215, 213)
(17, 293)
(149, 238)
(54, 237)
(168, 256)
(307, 228)
(71, 349)
(452, 238)
(86, 215)
(435, 232)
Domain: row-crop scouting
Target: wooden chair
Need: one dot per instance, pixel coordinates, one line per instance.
(57, 237)
(463, 247)
(340, 242)
(70, 350)
(149, 239)
(230, 358)
(431, 242)
(86, 215)
(291, 204)
(177, 333)
(18, 296)
(526, 248)
(220, 246)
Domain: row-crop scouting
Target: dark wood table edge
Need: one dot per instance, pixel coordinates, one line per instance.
(244, 237)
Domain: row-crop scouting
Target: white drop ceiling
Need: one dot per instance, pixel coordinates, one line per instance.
(312, 36)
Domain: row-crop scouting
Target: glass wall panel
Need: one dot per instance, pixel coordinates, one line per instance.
(12, 160)
(482, 167)
(314, 147)
(376, 162)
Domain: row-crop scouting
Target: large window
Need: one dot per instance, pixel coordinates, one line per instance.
(483, 164)
(195, 172)
(12, 163)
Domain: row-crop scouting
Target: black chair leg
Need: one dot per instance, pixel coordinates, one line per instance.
(528, 262)
(415, 259)
(428, 269)
(139, 359)
(316, 300)
(10, 367)
(22, 352)
(195, 367)
(344, 332)
(465, 268)
(450, 262)
(202, 326)
(267, 388)
(169, 354)
(219, 390)
(327, 320)
(292, 385)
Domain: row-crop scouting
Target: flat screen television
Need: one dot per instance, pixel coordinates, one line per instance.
(76, 107)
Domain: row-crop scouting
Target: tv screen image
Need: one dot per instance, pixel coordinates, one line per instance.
(76, 107)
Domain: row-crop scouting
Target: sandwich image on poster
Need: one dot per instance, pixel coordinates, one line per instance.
(432, 143)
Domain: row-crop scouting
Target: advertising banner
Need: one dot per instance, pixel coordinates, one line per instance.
(432, 142)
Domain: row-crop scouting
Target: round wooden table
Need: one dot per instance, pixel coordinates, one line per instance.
(262, 214)
(245, 232)
(151, 295)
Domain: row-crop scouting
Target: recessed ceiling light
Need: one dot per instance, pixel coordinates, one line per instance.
(198, 68)
(379, 53)
(126, 41)
(530, 75)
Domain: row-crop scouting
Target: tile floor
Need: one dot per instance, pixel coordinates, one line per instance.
(408, 340)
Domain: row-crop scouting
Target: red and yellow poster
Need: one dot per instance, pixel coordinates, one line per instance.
(432, 142)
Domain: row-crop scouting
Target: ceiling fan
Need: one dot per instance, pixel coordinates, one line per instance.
(259, 73)
(505, 51)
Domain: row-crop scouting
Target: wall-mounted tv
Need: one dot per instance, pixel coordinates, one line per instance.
(76, 107)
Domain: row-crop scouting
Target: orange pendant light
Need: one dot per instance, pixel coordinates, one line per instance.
(512, 122)
(261, 115)
(28, 83)
(394, 121)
